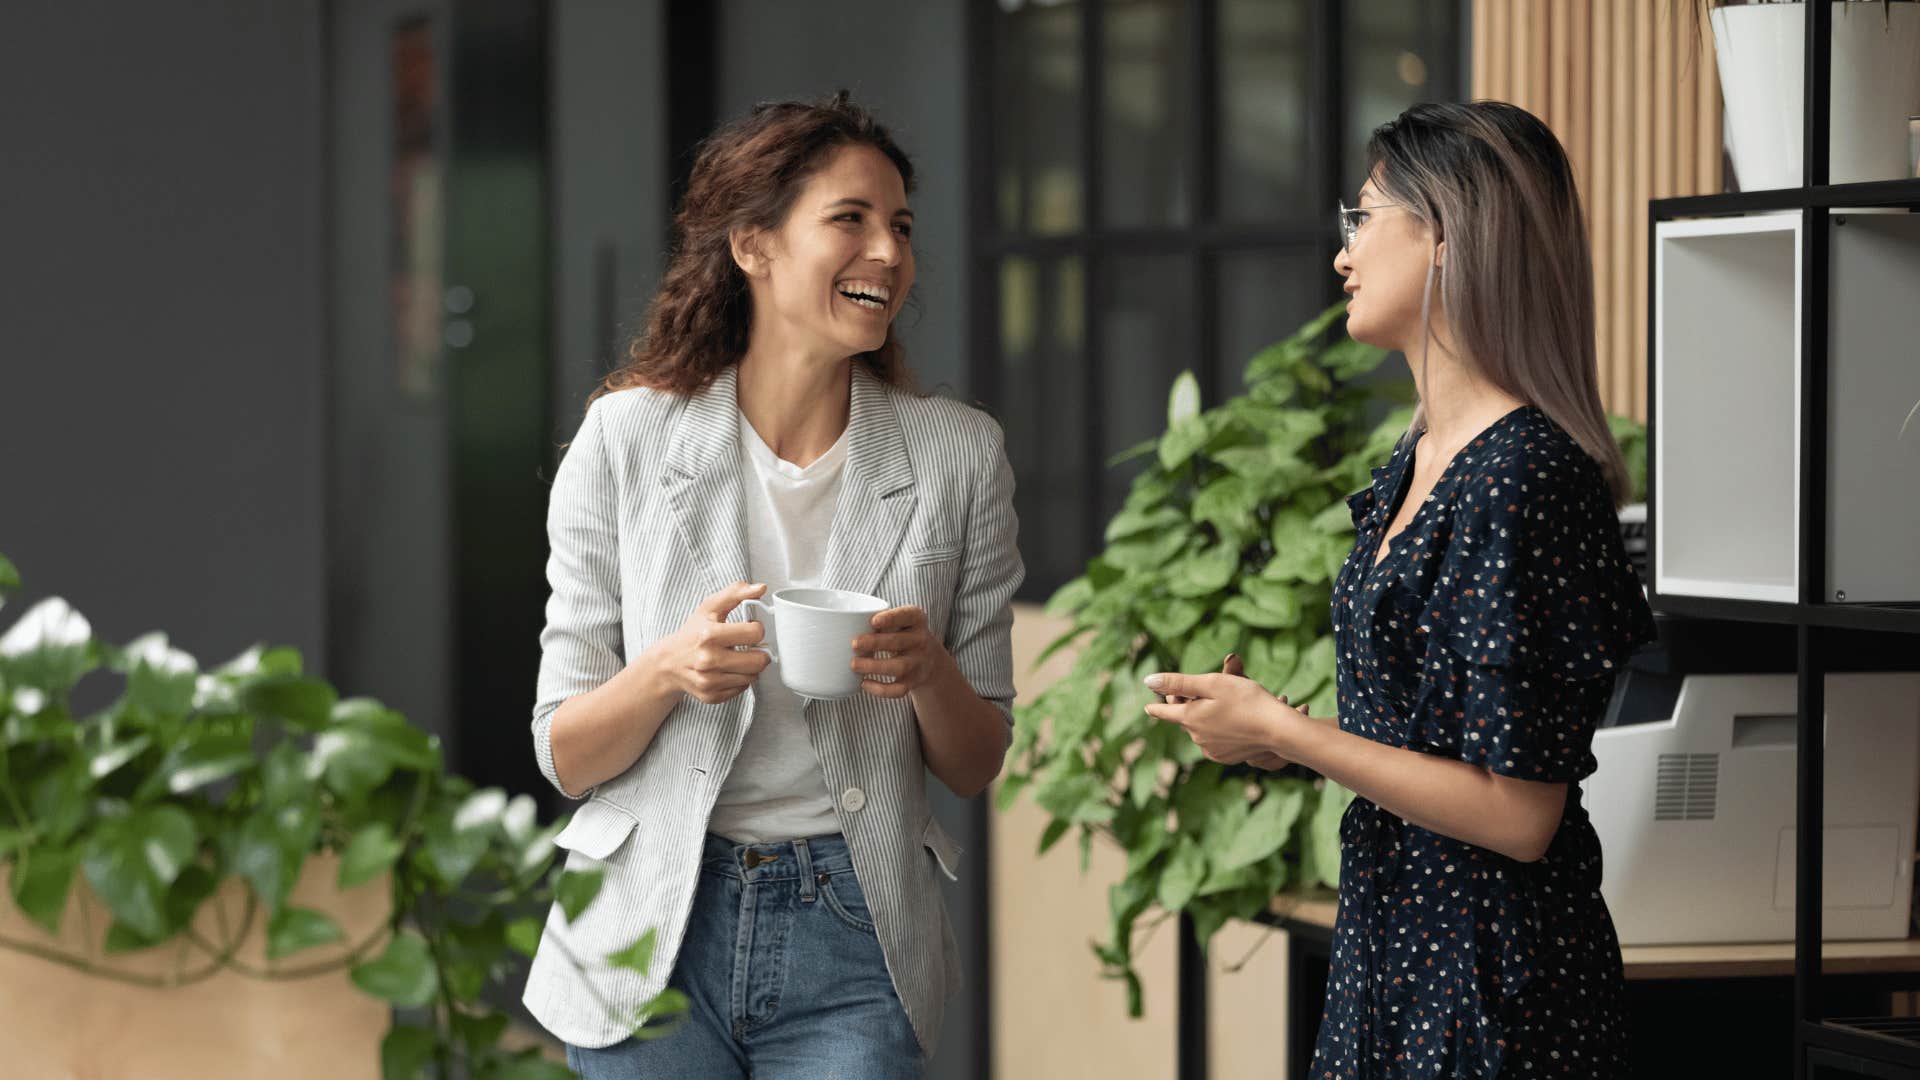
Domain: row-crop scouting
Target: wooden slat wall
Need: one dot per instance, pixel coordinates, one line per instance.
(1633, 94)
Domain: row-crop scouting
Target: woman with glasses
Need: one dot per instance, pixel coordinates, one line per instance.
(1480, 621)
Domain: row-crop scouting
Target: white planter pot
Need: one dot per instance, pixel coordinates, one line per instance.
(1876, 86)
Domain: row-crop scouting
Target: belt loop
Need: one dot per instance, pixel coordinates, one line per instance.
(804, 856)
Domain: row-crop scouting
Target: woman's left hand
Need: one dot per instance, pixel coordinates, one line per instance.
(915, 653)
(1230, 718)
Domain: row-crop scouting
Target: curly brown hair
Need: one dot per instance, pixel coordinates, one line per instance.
(746, 175)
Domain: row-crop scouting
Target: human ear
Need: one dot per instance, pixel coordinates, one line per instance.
(746, 246)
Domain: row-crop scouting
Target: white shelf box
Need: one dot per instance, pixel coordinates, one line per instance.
(1726, 407)
(1873, 387)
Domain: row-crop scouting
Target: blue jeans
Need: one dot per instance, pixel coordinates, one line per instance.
(784, 977)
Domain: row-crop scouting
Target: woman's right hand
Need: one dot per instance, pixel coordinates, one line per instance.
(700, 659)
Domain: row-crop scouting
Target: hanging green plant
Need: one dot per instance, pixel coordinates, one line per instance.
(191, 778)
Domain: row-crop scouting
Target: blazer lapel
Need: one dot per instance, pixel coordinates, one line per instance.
(702, 479)
(876, 495)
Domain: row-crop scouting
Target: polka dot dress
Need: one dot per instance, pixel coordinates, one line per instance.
(1490, 633)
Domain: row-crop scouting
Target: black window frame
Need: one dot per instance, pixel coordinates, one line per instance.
(1201, 242)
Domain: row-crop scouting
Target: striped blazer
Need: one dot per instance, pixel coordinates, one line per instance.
(645, 520)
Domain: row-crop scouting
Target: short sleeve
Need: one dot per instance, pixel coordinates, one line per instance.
(1537, 577)
(1542, 610)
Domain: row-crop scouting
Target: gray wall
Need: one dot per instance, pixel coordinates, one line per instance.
(610, 186)
(161, 323)
(907, 63)
(388, 495)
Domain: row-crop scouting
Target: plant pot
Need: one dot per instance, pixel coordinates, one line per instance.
(1876, 86)
(62, 1022)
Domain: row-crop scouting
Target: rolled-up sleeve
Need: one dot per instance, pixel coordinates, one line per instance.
(980, 630)
(581, 646)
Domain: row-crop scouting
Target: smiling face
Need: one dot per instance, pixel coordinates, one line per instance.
(1386, 271)
(831, 278)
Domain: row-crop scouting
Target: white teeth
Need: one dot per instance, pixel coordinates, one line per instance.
(867, 294)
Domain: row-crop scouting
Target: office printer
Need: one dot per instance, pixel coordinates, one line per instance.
(1695, 793)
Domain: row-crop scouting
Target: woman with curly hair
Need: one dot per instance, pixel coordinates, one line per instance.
(764, 435)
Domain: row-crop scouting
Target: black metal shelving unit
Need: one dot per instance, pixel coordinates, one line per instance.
(1871, 1046)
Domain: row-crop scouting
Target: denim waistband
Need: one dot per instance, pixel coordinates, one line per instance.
(783, 860)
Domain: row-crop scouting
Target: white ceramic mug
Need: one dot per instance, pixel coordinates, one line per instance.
(810, 636)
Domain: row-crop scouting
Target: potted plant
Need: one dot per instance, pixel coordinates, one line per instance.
(201, 810)
(1228, 542)
(1760, 52)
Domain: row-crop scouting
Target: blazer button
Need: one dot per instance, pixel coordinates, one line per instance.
(852, 800)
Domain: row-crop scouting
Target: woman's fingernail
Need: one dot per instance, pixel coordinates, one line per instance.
(1155, 682)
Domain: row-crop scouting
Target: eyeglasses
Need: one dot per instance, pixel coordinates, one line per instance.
(1351, 218)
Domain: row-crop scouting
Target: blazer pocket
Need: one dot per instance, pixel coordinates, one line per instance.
(936, 551)
(945, 851)
(597, 830)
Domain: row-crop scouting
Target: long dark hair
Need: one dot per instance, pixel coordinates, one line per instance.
(747, 175)
(1491, 180)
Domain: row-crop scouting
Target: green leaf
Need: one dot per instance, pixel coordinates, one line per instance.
(107, 761)
(479, 1033)
(292, 929)
(1315, 671)
(1266, 828)
(1228, 503)
(1209, 646)
(1008, 793)
(1185, 869)
(1278, 603)
(1270, 660)
(1070, 597)
(369, 854)
(203, 760)
(283, 776)
(404, 974)
(122, 938)
(1244, 609)
(1207, 572)
(637, 956)
(388, 733)
(576, 890)
(160, 678)
(9, 577)
(1183, 401)
(406, 1051)
(132, 860)
(49, 648)
(1182, 441)
(1052, 833)
(661, 1012)
(523, 935)
(270, 849)
(1072, 794)
(42, 877)
(303, 703)
(1129, 523)
(1320, 858)
(1142, 778)
(1172, 619)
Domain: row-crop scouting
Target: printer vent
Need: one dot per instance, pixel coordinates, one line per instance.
(1688, 787)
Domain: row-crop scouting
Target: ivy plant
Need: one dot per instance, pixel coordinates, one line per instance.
(1228, 542)
(193, 777)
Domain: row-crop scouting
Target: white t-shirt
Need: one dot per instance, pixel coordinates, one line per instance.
(775, 790)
